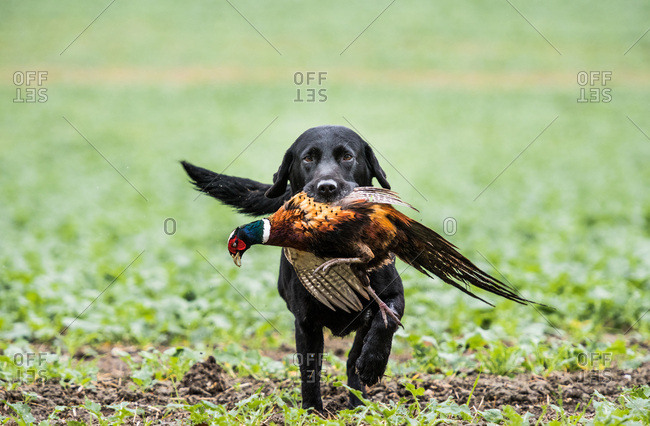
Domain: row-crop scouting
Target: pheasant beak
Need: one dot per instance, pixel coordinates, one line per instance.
(236, 257)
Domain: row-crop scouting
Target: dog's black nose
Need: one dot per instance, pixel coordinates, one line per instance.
(327, 188)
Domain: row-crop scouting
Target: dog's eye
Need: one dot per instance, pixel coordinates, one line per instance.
(308, 159)
(347, 157)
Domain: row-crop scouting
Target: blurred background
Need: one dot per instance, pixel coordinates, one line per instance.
(521, 129)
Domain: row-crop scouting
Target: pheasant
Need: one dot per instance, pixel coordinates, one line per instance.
(334, 246)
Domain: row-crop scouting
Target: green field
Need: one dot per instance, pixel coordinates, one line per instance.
(472, 109)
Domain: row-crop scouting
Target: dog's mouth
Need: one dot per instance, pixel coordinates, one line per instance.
(341, 190)
(328, 198)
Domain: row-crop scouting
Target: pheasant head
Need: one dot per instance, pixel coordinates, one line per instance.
(243, 237)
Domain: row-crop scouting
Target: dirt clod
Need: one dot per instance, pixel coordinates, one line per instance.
(206, 378)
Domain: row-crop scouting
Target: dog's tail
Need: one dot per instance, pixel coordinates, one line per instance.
(245, 195)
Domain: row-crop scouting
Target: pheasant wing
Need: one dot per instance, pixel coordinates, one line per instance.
(373, 195)
(337, 288)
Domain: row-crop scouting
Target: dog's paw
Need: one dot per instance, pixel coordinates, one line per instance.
(371, 367)
(313, 405)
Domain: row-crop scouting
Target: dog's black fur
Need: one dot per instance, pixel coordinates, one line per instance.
(326, 162)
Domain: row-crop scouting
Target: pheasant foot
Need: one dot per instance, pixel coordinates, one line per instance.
(383, 308)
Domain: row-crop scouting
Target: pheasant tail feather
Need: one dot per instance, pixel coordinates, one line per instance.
(427, 251)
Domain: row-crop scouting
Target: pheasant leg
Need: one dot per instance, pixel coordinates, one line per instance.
(383, 308)
(325, 266)
(366, 255)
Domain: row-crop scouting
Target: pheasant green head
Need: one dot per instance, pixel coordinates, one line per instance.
(243, 237)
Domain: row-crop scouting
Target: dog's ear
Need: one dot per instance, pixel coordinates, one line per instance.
(281, 178)
(375, 168)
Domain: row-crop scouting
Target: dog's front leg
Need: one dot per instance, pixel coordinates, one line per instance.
(309, 345)
(353, 377)
(378, 341)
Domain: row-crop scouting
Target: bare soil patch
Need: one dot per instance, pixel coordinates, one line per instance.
(208, 381)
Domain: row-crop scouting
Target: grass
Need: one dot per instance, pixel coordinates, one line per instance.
(631, 408)
(449, 96)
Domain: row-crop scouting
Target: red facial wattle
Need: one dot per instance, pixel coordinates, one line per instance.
(236, 245)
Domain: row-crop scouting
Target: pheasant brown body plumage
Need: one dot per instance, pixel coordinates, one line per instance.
(335, 230)
(357, 234)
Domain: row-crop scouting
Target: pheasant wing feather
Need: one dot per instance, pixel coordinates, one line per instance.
(373, 195)
(337, 288)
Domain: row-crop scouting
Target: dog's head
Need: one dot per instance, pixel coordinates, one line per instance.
(327, 162)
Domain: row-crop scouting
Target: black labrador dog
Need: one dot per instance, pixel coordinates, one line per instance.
(326, 162)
